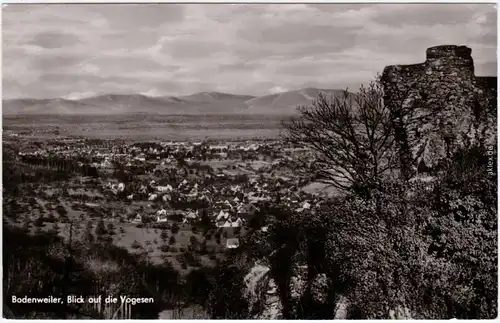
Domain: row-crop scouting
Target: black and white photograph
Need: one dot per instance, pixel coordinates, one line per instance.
(253, 161)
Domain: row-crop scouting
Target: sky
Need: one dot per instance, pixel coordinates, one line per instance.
(80, 50)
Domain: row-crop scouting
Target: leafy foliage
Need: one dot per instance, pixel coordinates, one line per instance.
(226, 299)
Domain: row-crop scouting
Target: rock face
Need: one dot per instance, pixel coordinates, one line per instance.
(261, 293)
(263, 297)
(437, 105)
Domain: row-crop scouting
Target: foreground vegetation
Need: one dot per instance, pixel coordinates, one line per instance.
(419, 244)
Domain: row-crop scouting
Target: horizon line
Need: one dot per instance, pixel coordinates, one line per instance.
(169, 96)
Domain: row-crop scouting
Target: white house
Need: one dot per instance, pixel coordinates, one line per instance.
(227, 224)
(222, 216)
(161, 218)
(163, 189)
(236, 224)
(226, 202)
(232, 243)
(137, 219)
(192, 215)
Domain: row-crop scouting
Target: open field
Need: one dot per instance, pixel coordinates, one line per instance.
(144, 127)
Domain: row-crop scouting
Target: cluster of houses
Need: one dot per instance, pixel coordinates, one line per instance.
(229, 203)
(230, 206)
(104, 155)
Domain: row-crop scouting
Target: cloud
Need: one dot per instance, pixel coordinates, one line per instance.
(53, 39)
(61, 50)
(401, 15)
(79, 95)
(152, 93)
(277, 89)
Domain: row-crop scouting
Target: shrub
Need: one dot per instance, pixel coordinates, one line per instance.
(39, 222)
(171, 241)
(136, 245)
(193, 240)
(175, 228)
(100, 228)
(226, 299)
(164, 235)
(192, 259)
(61, 210)
(111, 228)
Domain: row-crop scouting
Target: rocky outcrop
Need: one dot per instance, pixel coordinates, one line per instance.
(298, 282)
(437, 106)
(264, 301)
(261, 293)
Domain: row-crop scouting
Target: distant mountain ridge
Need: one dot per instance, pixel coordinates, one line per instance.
(284, 103)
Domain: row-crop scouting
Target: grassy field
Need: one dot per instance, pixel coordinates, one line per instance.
(136, 238)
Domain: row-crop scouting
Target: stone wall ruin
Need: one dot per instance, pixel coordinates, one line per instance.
(434, 103)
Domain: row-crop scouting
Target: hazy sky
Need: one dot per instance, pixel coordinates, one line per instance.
(74, 51)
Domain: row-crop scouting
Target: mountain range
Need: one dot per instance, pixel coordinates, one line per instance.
(284, 103)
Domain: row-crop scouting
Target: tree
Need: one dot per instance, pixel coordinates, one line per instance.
(61, 210)
(464, 233)
(136, 244)
(175, 228)
(226, 299)
(205, 221)
(199, 283)
(100, 228)
(56, 228)
(351, 135)
(171, 241)
(39, 222)
(164, 235)
(425, 250)
(111, 228)
(193, 240)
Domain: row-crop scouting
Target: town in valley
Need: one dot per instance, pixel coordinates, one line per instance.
(163, 199)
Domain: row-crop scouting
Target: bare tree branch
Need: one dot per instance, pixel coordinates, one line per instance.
(351, 136)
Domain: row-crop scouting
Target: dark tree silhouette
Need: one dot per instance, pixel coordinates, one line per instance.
(351, 136)
(101, 228)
